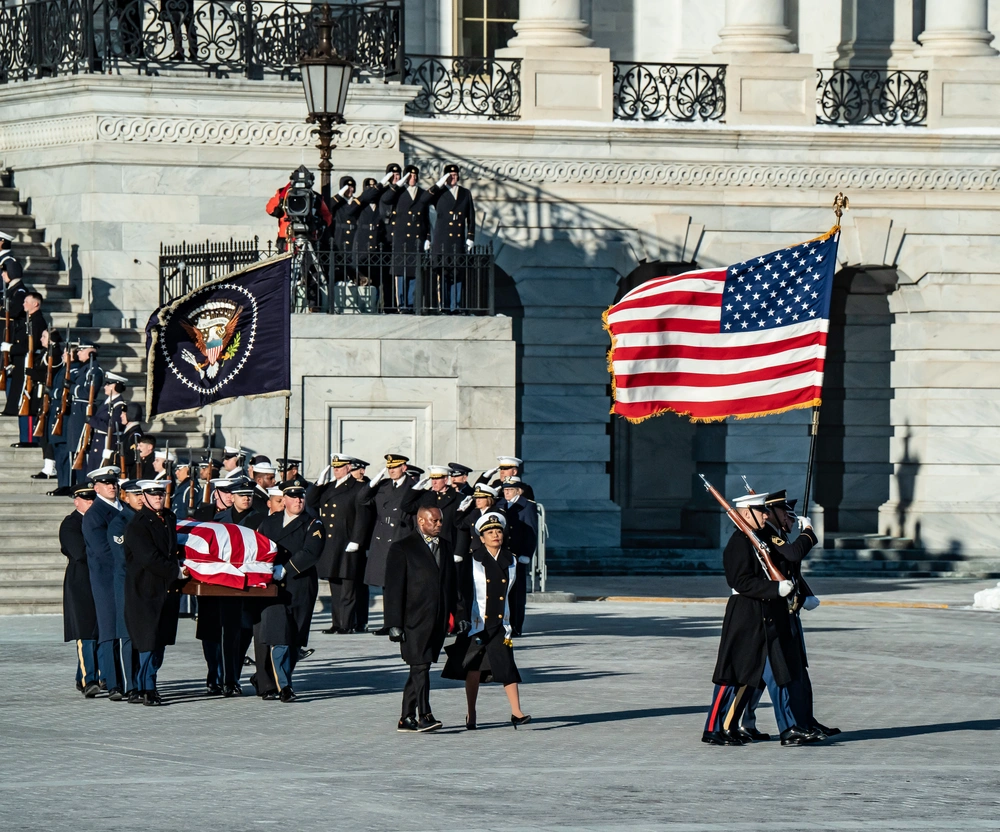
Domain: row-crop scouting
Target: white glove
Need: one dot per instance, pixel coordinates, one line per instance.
(278, 573)
(5, 346)
(380, 476)
(386, 179)
(462, 506)
(469, 244)
(324, 475)
(427, 245)
(785, 588)
(343, 190)
(180, 573)
(443, 181)
(422, 484)
(351, 547)
(810, 603)
(803, 523)
(489, 474)
(107, 453)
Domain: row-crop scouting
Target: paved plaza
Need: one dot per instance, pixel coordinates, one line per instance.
(617, 691)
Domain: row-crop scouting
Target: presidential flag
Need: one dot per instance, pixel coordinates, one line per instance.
(748, 340)
(226, 554)
(228, 338)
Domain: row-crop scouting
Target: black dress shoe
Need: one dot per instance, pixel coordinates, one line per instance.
(305, 654)
(330, 631)
(382, 631)
(61, 491)
(135, 697)
(213, 690)
(24, 445)
(102, 685)
(739, 736)
(270, 696)
(718, 738)
(519, 720)
(91, 690)
(232, 690)
(407, 725)
(798, 736)
(830, 732)
(41, 475)
(287, 694)
(152, 698)
(115, 695)
(754, 734)
(79, 686)
(428, 723)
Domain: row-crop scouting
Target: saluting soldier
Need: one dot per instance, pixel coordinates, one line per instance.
(454, 234)
(358, 469)
(437, 495)
(507, 466)
(371, 238)
(292, 472)
(481, 502)
(108, 422)
(386, 493)
(334, 500)
(79, 614)
(300, 541)
(152, 593)
(404, 207)
(459, 481)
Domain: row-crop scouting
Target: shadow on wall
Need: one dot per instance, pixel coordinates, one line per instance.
(906, 481)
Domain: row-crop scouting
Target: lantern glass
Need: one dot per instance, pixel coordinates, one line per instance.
(326, 85)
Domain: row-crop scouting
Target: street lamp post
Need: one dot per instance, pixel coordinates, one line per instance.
(325, 79)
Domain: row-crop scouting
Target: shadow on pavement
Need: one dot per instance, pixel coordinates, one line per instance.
(918, 730)
(577, 720)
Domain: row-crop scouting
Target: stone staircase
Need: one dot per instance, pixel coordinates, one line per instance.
(31, 565)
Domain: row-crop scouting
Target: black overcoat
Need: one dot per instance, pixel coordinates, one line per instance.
(79, 614)
(392, 523)
(371, 226)
(152, 586)
(419, 596)
(756, 625)
(346, 213)
(300, 545)
(447, 501)
(455, 221)
(345, 520)
(407, 225)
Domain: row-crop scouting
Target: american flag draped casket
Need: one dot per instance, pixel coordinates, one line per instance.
(226, 554)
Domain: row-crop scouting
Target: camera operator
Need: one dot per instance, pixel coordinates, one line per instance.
(299, 210)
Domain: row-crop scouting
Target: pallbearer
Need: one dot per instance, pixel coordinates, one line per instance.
(79, 615)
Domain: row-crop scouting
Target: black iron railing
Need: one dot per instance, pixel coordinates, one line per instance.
(456, 86)
(328, 280)
(669, 92)
(256, 39)
(871, 96)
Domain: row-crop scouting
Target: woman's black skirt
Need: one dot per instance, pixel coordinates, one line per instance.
(485, 652)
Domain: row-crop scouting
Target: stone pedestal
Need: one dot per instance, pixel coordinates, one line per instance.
(563, 83)
(763, 88)
(962, 92)
(755, 26)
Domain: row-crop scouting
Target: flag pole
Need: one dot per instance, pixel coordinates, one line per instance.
(284, 459)
(840, 204)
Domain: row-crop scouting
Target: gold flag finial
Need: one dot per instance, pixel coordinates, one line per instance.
(840, 204)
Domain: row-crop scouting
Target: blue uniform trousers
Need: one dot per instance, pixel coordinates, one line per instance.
(149, 664)
(281, 665)
(86, 660)
(64, 465)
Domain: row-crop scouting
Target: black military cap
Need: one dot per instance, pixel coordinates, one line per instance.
(452, 168)
(242, 486)
(130, 487)
(460, 470)
(358, 464)
(369, 182)
(292, 488)
(778, 499)
(348, 180)
(257, 460)
(13, 268)
(414, 471)
(395, 460)
(289, 463)
(392, 167)
(411, 169)
(85, 491)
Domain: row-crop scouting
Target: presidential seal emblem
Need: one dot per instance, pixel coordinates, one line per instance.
(212, 327)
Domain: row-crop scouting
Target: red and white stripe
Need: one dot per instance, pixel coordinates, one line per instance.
(669, 355)
(226, 554)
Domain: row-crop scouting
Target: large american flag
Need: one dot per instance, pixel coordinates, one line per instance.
(744, 341)
(226, 554)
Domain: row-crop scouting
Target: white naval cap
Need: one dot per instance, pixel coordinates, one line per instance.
(222, 483)
(112, 378)
(264, 468)
(229, 450)
(151, 486)
(165, 454)
(749, 501)
(109, 473)
(491, 520)
(5, 236)
(509, 462)
(436, 472)
(274, 491)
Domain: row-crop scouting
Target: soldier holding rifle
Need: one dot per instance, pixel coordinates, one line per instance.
(25, 354)
(87, 386)
(757, 638)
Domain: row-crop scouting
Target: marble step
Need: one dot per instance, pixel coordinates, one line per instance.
(31, 591)
(15, 222)
(22, 606)
(867, 541)
(13, 574)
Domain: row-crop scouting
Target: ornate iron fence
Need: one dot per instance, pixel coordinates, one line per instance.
(456, 86)
(253, 38)
(669, 92)
(871, 96)
(184, 267)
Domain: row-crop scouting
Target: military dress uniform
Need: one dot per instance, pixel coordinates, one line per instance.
(106, 427)
(79, 614)
(522, 540)
(27, 338)
(126, 662)
(453, 237)
(404, 210)
(87, 375)
(392, 523)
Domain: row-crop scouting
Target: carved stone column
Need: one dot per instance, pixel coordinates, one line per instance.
(956, 29)
(755, 26)
(550, 23)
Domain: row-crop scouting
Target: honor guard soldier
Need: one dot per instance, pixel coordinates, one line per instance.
(25, 353)
(290, 472)
(101, 565)
(146, 458)
(128, 664)
(79, 614)
(460, 479)
(404, 207)
(300, 541)
(361, 608)
(334, 500)
(108, 422)
(345, 215)
(222, 497)
(12, 272)
(180, 505)
(6, 249)
(507, 466)
(87, 386)
(371, 239)
(387, 493)
(757, 640)
(232, 461)
(152, 592)
(49, 387)
(263, 474)
(522, 540)
(454, 234)
(60, 417)
(482, 501)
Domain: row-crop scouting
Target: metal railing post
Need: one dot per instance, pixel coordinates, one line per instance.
(418, 290)
(491, 288)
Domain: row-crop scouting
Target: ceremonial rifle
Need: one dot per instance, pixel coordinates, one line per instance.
(107, 436)
(57, 428)
(43, 419)
(759, 547)
(169, 469)
(29, 364)
(796, 599)
(191, 478)
(6, 338)
(87, 432)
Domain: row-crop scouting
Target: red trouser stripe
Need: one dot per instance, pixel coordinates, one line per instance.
(715, 708)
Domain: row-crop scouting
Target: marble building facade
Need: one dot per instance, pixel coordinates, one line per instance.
(576, 202)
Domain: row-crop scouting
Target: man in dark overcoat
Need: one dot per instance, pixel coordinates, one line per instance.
(152, 594)
(101, 565)
(420, 598)
(522, 528)
(404, 208)
(454, 235)
(757, 638)
(345, 520)
(126, 662)
(438, 495)
(278, 632)
(79, 615)
(386, 492)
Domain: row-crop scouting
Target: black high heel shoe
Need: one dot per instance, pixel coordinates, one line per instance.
(469, 726)
(519, 720)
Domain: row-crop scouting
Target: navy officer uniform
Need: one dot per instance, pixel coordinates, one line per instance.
(127, 662)
(522, 540)
(454, 234)
(79, 614)
(387, 496)
(404, 208)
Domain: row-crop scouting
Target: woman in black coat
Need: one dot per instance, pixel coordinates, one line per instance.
(79, 613)
(152, 597)
(485, 652)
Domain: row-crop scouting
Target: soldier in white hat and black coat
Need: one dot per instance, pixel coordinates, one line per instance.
(387, 493)
(79, 614)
